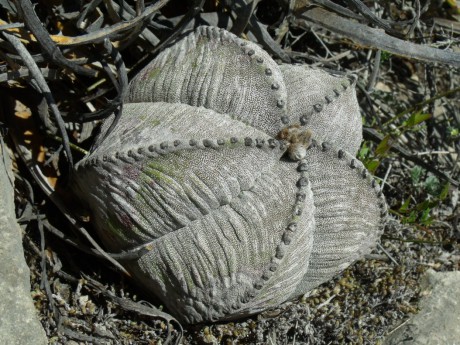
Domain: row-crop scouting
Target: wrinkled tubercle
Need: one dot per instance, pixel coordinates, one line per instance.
(259, 299)
(333, 95)
(273, 90)
(349, 162)
(133, 157)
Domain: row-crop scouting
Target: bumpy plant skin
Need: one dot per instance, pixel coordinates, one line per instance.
(194, 169)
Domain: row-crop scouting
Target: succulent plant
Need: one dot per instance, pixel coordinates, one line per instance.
(234, 177)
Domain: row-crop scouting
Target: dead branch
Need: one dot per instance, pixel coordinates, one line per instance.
(374, 38)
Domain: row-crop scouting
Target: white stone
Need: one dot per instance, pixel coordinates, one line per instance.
(18, 320)
(438, 321)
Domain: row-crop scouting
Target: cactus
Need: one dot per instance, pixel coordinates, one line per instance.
(234, 177)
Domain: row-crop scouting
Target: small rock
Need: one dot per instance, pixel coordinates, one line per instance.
(18, 322)
(382, 87)
(439, 318)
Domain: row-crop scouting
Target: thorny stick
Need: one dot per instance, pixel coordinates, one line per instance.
(45, 90)
(46, 43)
(99, 35)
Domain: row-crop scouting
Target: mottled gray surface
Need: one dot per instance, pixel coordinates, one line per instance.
(438, 322)
(214, 69)
(319, 99)
(18, 322)
(194, 169)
